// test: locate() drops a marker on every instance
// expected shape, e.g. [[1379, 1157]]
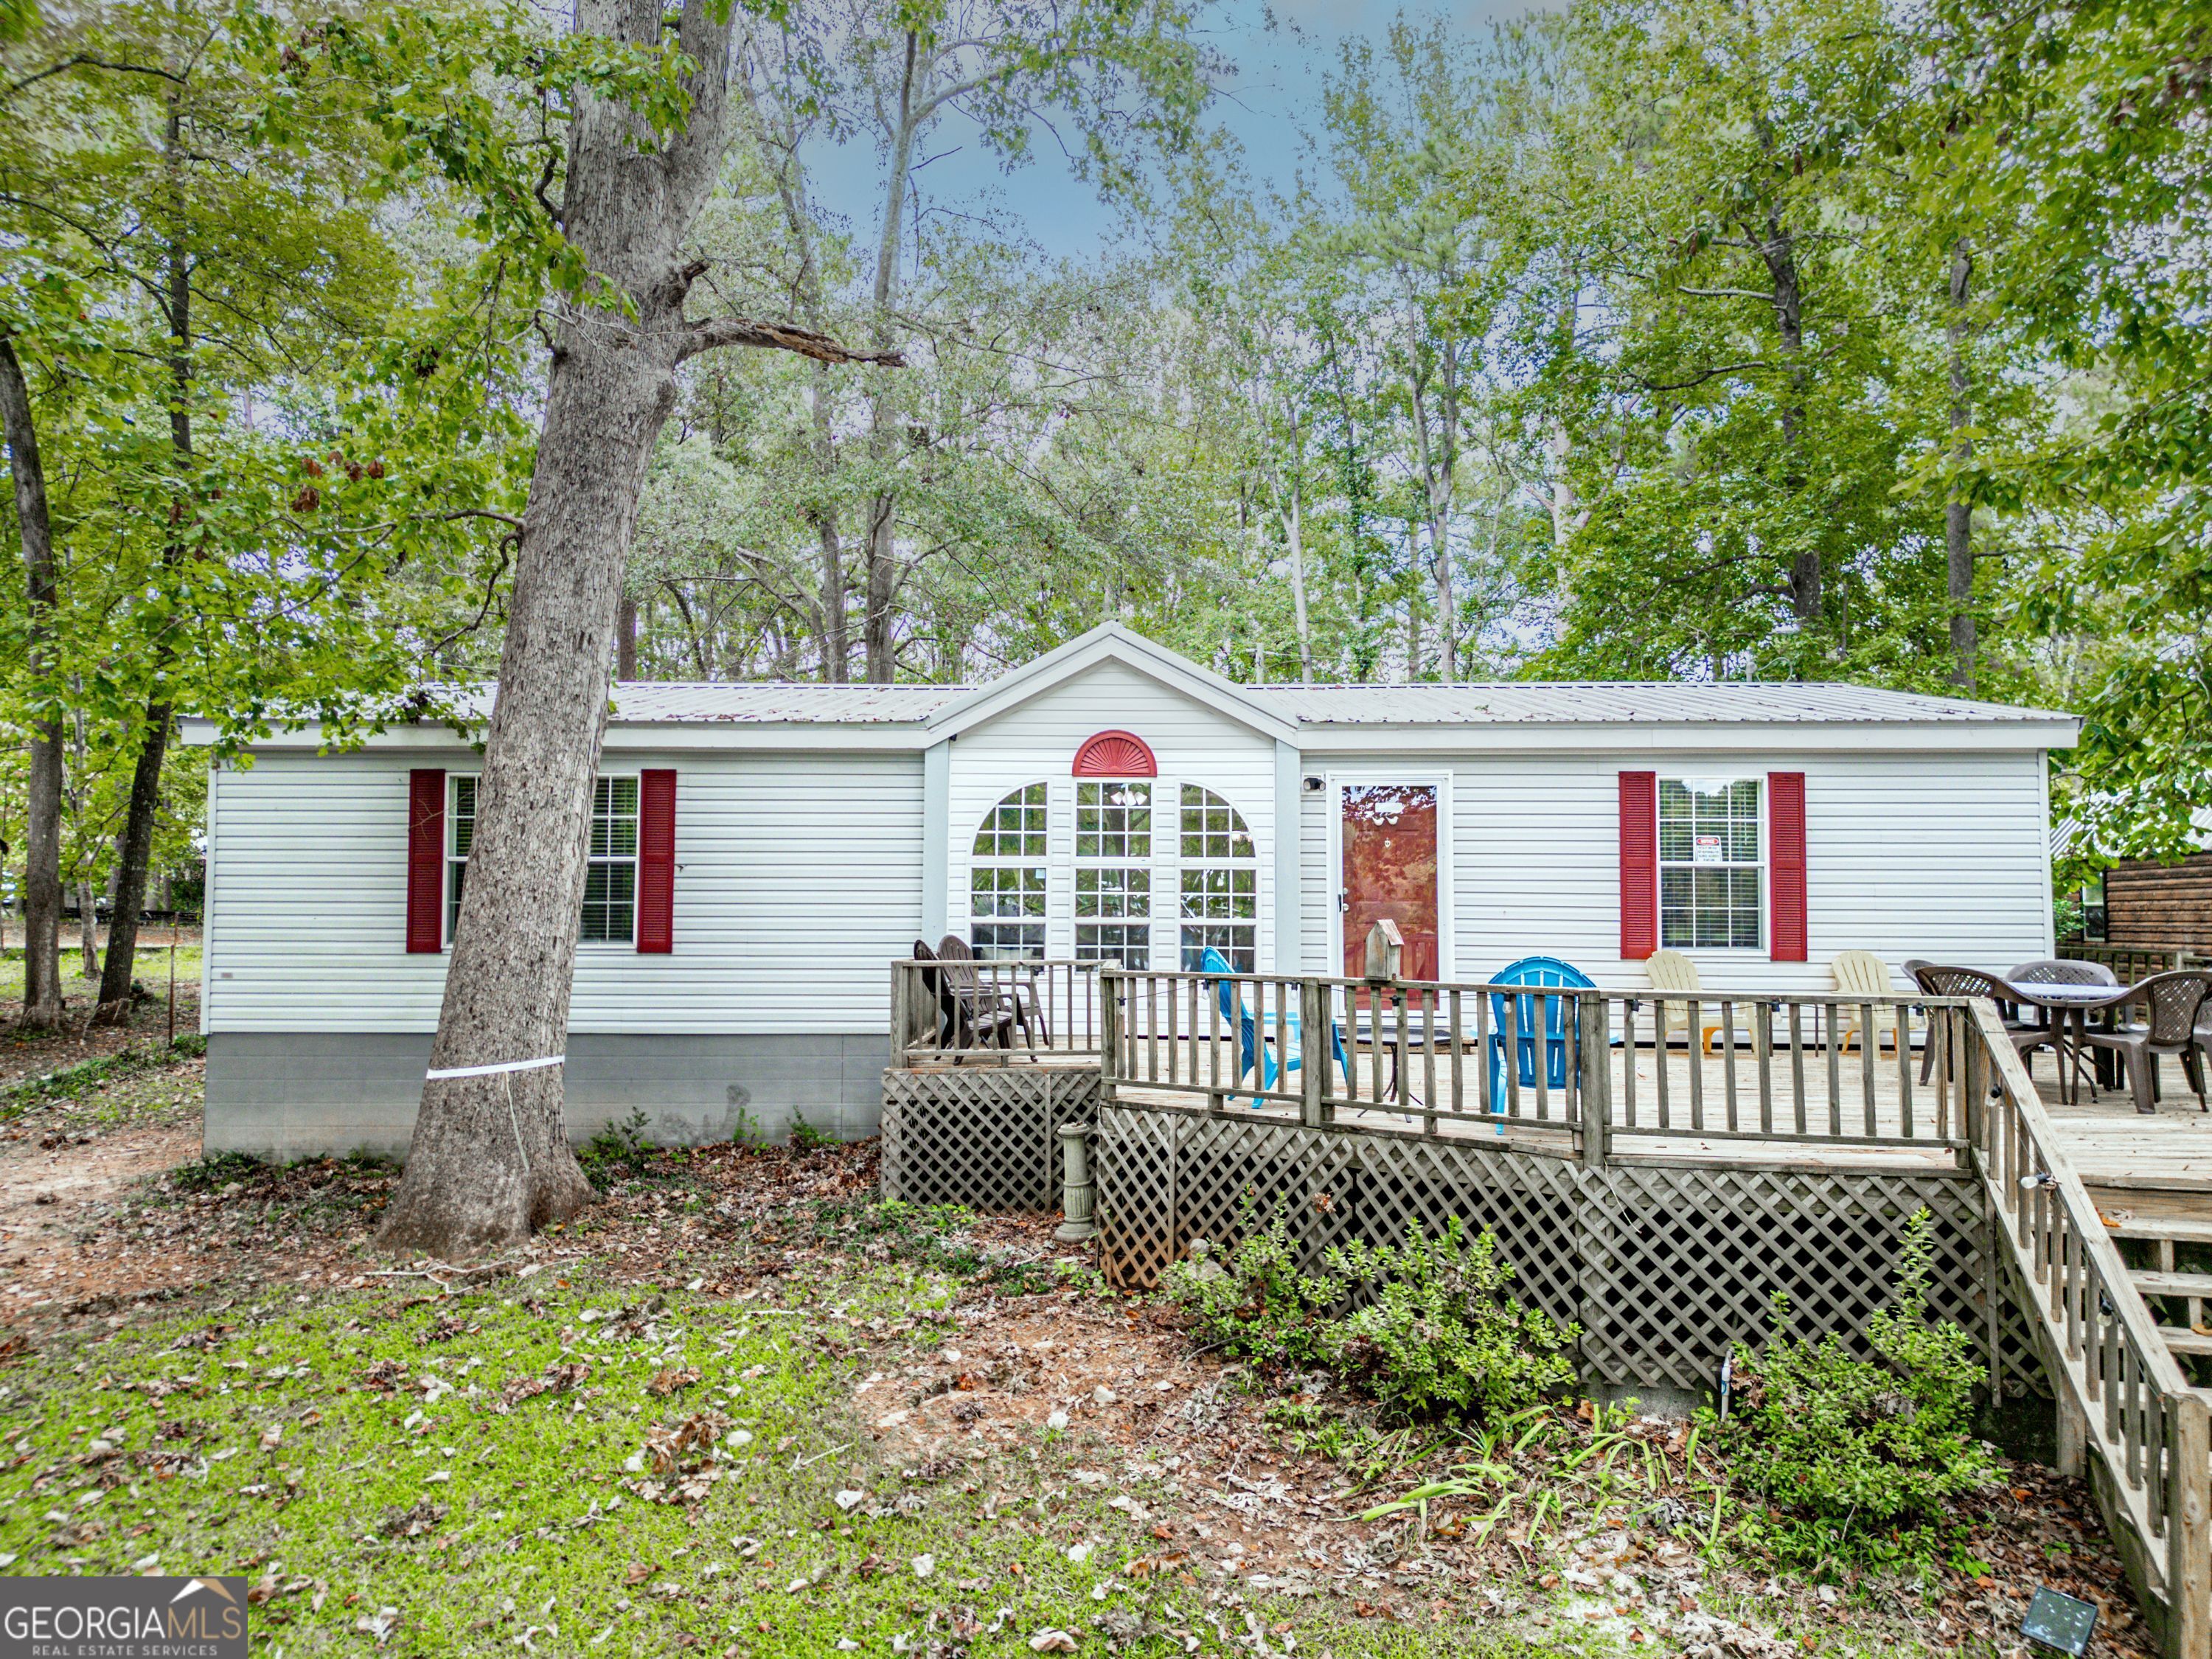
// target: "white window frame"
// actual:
[[633, 858], [1762, 866], [1201, 866], [1041, 863], [455, 864], [1132, 928]]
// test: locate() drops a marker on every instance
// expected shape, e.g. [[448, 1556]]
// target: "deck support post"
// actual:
[[1594, 1039], [2189, 1531], [1109, 1032], [1312, 1052], [2073, 1433], [898, 1015]]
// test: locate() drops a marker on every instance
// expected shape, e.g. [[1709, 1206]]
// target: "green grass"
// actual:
[[86, 1077], [149, 967], [381, 1451]]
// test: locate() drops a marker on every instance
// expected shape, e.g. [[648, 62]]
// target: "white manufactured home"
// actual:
[[761, 851]]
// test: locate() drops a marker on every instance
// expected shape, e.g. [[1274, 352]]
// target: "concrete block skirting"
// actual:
[[293, 1094]]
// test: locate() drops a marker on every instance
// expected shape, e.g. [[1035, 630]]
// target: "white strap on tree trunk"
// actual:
[[504, 1065]]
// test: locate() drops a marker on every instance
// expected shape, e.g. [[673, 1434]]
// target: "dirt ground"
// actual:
[[108, 1218]]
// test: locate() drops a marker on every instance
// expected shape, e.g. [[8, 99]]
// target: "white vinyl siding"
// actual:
[[1938, 856], [797, 878]]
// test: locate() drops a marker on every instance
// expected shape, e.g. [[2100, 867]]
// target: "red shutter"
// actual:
[[1785, 858], [426, 860], [1639, 865], [656, 863]]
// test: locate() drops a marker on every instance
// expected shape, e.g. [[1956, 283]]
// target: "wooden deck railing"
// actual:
[[993, 1011], [2133, 963], [2120, 1389], [1566, 1068]]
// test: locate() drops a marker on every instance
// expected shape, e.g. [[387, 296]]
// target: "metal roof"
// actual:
[[1502, 702], [778, 702], [1630, 701]]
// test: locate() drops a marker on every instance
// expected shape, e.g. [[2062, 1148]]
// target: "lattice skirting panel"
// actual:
[[1664, 1268], [987, 1137]]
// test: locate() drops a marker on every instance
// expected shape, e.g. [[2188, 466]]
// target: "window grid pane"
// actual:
[[1008, 881], [1237, 942], [1005, 940], [1126, 946], [1710, 865], [461, 833], [1113, 821]]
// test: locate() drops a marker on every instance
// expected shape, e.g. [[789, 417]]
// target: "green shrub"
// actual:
[[1440, 1334], [1862, 1446], [618, 1150], [1252, 1300]]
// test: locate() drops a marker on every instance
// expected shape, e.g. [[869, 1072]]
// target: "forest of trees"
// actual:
[[1642, 338]]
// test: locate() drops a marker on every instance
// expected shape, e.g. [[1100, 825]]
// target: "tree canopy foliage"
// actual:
[[1658, 338]]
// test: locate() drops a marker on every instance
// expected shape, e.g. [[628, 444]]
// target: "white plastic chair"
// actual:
[[1671, 970], [1862, 973]]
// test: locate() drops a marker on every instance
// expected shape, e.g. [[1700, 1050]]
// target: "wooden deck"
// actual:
[[2133, 1165]]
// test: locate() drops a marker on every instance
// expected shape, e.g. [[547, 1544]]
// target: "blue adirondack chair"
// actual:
[[1536, 1018], [1255, 1049]]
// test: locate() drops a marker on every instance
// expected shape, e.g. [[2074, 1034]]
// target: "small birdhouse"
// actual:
[[1386, 947]]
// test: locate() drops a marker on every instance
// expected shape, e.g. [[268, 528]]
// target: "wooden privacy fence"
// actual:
[[942, 1010], [2120, 1391], [1557, 1068]]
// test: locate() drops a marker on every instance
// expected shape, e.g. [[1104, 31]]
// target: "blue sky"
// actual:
[[1280, 52]]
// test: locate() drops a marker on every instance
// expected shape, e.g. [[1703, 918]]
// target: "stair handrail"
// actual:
[[2126, 1391]]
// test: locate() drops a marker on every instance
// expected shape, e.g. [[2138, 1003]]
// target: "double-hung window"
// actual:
[[1220, 884], [1112, 872], [1007, 877], [1711, 871], [610, 914], [610, 876]]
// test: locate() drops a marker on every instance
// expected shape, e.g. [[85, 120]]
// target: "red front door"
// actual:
[[1389, 836]]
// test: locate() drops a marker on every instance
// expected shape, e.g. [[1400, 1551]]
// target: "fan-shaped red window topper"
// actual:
[[1115, 755]]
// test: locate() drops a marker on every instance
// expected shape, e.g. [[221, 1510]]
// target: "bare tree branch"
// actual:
[[781, 337]]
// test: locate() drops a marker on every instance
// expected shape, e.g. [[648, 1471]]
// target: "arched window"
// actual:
[[1112, 872], [1007, 877], [1220, 883]]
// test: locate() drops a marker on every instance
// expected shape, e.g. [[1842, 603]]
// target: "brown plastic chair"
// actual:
[[988, 1012], [1939, 981], [2172, 1002]]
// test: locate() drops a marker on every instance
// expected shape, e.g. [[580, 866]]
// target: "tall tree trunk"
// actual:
[[836, 639], [1779, 247], [1958, 513], [1294, 532], [625, 638], [880, 585], [134, 852], [134, 845], [42, 836], [490, 1160], [88, 928]]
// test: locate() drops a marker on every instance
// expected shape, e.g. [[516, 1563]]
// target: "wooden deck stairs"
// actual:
[[2175, 1296], [2118, 1339]]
